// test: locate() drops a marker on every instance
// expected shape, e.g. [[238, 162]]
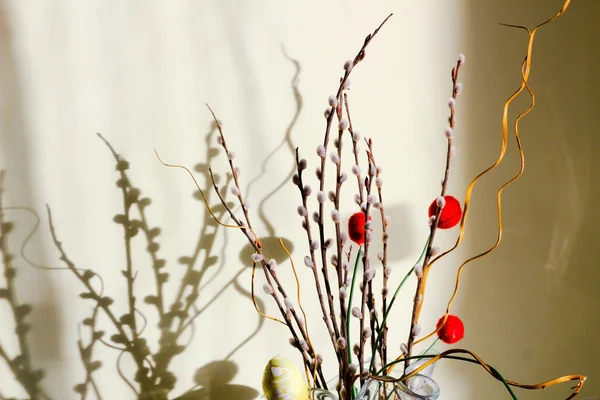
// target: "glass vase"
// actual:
[[419, 387]]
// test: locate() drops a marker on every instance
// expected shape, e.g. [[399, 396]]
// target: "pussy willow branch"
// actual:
[[367, 295], [366, 299], [384, 240], [272, 277], [343, 370], [307, 226], [343, 84], [360, 200], [373, 315], [253, 240], [234, 172], [355, 150], [419, 297], [324, 263], [258, 248]]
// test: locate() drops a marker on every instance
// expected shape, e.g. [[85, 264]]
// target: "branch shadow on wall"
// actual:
[[215, 377]]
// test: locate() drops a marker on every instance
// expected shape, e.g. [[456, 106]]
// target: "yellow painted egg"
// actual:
[[283, 381]]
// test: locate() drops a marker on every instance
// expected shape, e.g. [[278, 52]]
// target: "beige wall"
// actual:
[[141, 75], [538, 292]]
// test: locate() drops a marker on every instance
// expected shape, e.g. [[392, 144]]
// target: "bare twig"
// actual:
[[386, 271]]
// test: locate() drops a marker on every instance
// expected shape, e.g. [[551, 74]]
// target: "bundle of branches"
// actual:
[[342, 261]]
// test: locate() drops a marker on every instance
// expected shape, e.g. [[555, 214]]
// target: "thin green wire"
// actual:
[[349, 312], [430, 347]]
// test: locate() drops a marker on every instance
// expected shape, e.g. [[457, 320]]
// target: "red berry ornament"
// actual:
[[451, 213], [356, 227], [452, 331]]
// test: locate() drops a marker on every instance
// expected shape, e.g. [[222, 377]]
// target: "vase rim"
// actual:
[[429, 381]]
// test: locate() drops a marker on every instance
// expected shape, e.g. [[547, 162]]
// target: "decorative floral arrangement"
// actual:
[[344, 268]]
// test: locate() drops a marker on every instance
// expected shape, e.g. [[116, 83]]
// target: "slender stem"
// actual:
[[420, 292], [385, 276], [345, 362], [354, 150], [309, 236], [271, 277], [342, 86]]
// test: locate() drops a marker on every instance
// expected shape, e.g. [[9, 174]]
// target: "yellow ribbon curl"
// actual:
[[576, 389], [525, 72]]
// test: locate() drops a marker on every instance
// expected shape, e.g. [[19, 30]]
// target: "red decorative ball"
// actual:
[[452, 331], [356, 227], [451, 213]]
